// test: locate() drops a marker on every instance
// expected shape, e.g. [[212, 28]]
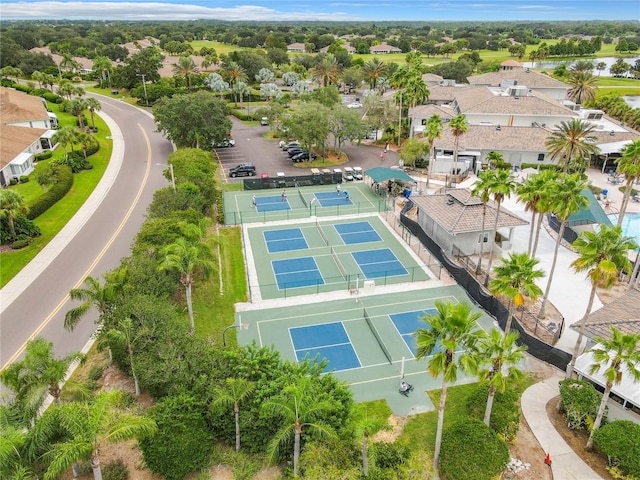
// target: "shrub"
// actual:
[[388, 455], [539, 166], [620, 441], [24, 179], [25, 229], [49, 96], [51, 196], [579, 401], [75, 161], [472, 451], [22, 88], [18, 244], [46, 155], [505, 413], [13, 181], [115, 471]]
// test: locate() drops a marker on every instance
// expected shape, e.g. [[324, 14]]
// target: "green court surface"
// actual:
[[301, 203], [315, 256], [367, 356]]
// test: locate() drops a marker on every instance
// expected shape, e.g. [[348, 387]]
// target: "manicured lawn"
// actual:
[[54, 219], [220, 47]]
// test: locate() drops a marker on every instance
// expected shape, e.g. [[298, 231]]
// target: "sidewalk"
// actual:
[[565, 463]]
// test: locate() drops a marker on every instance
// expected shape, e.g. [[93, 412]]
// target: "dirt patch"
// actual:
[[577, 439], [389, 436], [527, 449]]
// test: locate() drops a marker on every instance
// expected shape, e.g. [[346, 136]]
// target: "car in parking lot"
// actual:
[[354, 105], [264, 121], [287, 145], [293, 151], [227, 142], [357, 173], [347, 175], [303, 156], [243, 170]]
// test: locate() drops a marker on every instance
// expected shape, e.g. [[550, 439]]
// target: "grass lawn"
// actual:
[[54, 219], [124, 96]]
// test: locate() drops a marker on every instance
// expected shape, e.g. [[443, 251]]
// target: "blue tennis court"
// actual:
[[357, 232], [379, 263], [332, 199], [285, 240], [296, 272], [272, 203], [407, 323], [328, 340]]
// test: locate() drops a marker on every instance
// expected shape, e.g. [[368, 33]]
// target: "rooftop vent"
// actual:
[[612, 133], [450, 201], [498, 127]]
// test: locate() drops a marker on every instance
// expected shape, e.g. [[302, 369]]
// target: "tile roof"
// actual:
[[456, 211], [483, 100], [621, 313], [523, 76], [16, 106], [85, 63], [427, 111], [15, 140]]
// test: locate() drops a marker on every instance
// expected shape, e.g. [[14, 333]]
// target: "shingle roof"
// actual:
[[15, 140], [464, 213], [427, 111], [523, 76], [622, 313], [17, 106], [482, 100]]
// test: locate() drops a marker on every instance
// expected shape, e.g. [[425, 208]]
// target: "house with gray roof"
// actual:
[[453, 219], [515, 76], [383, 48]]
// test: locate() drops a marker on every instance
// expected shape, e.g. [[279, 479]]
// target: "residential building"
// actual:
[[384, 48], [297, 47]]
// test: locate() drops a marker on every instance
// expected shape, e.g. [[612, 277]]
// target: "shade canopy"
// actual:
[[382, 174]]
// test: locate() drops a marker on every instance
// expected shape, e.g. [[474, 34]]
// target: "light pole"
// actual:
[[173, 178], [144, 87]]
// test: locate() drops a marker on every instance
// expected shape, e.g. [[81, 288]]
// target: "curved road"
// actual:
[[35, 301]]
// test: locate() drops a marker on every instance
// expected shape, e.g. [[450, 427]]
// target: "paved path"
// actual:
[[565, 463]]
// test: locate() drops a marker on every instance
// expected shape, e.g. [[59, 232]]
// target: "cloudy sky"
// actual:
[[318, 10]]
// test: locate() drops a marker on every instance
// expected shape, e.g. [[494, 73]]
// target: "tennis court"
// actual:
[[272, 203], [367, 340], [317, 256]]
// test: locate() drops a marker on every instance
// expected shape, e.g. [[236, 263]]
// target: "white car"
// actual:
[[348, 174], [354, 105], [357, 173]]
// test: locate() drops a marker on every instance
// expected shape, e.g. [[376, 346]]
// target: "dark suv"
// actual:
[[244, 169]]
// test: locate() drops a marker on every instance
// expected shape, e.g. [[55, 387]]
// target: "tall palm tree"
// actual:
[[327, 70], [94, 106], [85, 140], [515, 279], [482, 190], [217, 83], [84, 427], [15, 459], [534, 194], [185, 67], [12, 204], [102, 65], [603, 255], [449, 341], [501, 187], [186, 258], [432, 132], [573, 139], [373, 70], [66, 88], [300, 411], [93, 295], [416, 91], [458, 126], [583, 86], [498, 352], [566, 199], [234, 72], [629, 165], [621, 352], [241, 89], [65, 136], [37, 375], [77, 106], [232, 394]]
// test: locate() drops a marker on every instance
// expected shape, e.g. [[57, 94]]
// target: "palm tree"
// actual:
[[621, 352], [432, 132], [534, 194], [67, 89], [482, 190], [37, 375], [216, 83], [494, 159], [234, 392], [12, 204], [572, 139], [603, 255], [566, 199], [299, 410], [364, 428], [458, 126], [185, 258], [15, 461], [185, 67], [68, 63], [77, 106], [234, 72], [65, 136], [501, 187], [241, 89], [629, 165], [102, 65], [38, 77], [327, 70], [84, 427], [450, 341], [93, 295], [498, 352], [416, 91], [372, 70], [600, 66], [94, 106], [85, 139], [515, 279], [583, 86]]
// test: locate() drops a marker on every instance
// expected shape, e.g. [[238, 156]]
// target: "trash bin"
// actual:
[[605, 192]]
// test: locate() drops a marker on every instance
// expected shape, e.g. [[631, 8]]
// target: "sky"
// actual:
[[319, 10]]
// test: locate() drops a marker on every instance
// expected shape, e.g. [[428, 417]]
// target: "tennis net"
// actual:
[[338, 263], [374, 330], [304, 200], [324, 237]]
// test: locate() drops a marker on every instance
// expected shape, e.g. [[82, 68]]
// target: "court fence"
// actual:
[[291, 181], [492, 305]]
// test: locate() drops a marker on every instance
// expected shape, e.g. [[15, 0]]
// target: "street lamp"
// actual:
[[144, 87], [173, 178], [241, 326]]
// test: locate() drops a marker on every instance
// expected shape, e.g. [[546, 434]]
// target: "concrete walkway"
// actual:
[[565, 463]]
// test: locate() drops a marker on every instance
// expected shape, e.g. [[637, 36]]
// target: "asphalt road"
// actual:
[[95, 248]]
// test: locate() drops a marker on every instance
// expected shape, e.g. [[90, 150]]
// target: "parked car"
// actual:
[[287, 145], [227, 142], [357, 173], [295, 151], [347, 174], [354, 105], [303, 156], [243, 170], [264, 121]]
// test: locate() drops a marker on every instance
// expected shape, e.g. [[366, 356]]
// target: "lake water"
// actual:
[[604, 73]]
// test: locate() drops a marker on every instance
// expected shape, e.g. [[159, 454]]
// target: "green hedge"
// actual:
[[46, 155], [620, 441], [51, 196], [472, 451], [579, 401], [540, 166], [505, 413]]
